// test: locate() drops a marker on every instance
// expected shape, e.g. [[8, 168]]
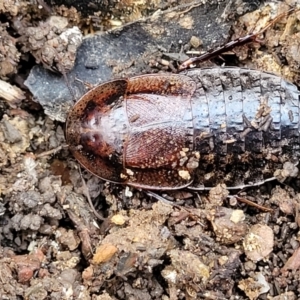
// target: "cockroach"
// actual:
[[196, 128]]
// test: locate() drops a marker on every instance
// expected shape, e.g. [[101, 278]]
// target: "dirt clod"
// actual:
[[229, 225]]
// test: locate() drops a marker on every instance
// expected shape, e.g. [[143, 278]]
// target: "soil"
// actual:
[[132, 244]]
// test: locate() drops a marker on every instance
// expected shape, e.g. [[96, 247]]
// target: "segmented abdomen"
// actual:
[[246, 123]]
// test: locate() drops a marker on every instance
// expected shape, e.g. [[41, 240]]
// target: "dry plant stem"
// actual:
[[249, 38], [52, 151], [10, 93], [251, 203], [190, 8]]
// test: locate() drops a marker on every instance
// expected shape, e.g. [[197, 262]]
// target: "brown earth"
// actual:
[[207, 245]]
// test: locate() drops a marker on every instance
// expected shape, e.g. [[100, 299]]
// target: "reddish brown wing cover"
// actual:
[[160, 137], [137, 131]]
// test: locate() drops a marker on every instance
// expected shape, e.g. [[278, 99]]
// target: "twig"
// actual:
[[251, 203], [52, 151]]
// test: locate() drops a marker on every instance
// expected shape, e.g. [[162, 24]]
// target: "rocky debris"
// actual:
[[52, 43], [254, 287], [283, 38], [229, 225], [9, 54], [204, 245], [259, 242]]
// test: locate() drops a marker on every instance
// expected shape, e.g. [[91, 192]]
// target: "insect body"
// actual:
[[205, 126]]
